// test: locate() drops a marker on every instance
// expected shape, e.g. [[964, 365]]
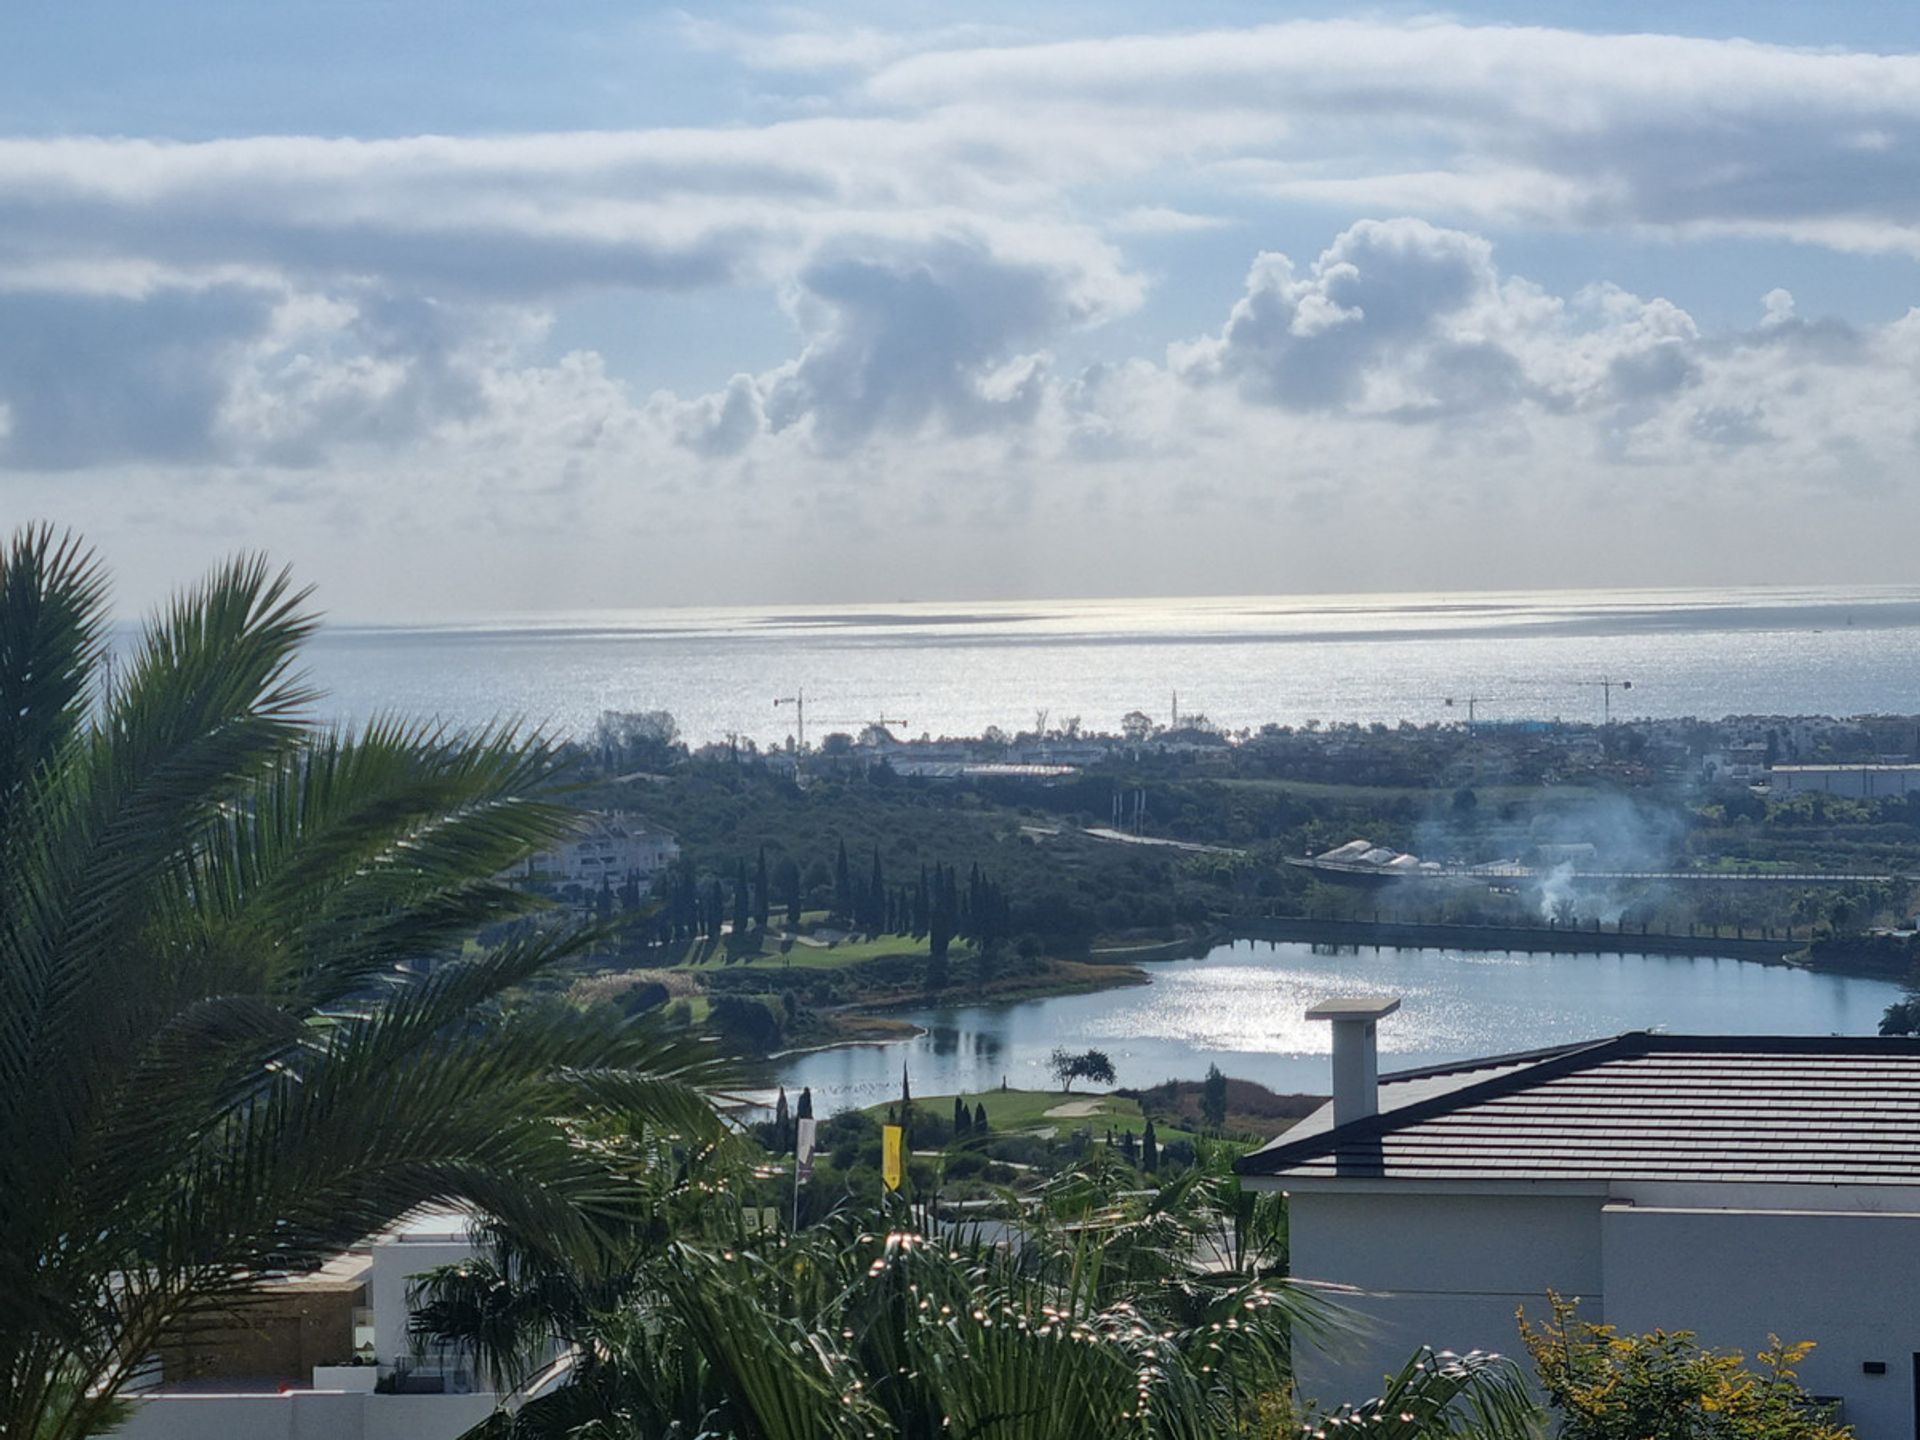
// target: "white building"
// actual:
[[1856, 782], [249, 1394], [608, 847], [1734, 1186]]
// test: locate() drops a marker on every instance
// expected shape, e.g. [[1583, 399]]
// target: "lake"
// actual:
[[1240, 1007]]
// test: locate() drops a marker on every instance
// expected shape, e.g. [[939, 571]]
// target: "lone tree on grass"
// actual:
[[1093, 1066]]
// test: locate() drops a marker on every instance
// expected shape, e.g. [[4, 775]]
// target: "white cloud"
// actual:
[[1161, 220], [324, 337], [1664, 132]]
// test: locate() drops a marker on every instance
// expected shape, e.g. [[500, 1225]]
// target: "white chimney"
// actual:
[[1356, 1052]]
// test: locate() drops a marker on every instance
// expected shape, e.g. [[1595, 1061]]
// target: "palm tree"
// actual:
[[1114, 1316], [241, 1026]]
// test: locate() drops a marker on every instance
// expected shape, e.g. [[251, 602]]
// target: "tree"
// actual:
[[804, 1110], [240, 1025], [980, 1125], [1150, 1149], [750, 1024], [782, 1125], [941, 918], [1609, 1386], [1093, 1066], [842, 887], [742, 902], [647, 739], [962, 1117], [762, 896], [1213, 1098], [789, 873], [1137, 726]]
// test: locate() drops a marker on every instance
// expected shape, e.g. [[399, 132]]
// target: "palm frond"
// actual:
[[53, 625]]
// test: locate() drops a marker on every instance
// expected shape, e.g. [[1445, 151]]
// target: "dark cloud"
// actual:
[[92, 380], [1653, 373], [1731, 426], [933, 331], [723, 424], [1379, 298]]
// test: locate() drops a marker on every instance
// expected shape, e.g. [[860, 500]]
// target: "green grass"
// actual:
[[1013, 1111], [768, 955]]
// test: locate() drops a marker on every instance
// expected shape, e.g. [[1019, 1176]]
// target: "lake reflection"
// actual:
[[1241, 1006]]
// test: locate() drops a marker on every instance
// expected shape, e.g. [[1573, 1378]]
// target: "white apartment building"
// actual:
[[608, 847]]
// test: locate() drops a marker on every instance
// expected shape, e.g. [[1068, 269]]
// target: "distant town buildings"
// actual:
[[1855, 782]]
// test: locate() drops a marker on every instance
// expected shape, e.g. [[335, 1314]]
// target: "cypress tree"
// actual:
[[742, 907], [876, 895], [790, 882], [1213, 1098], [842, 886], [940, 916], [962, 1120], [762, 896], [782, 1125], [1150, 1150], [980, 1126], [804, 1110]]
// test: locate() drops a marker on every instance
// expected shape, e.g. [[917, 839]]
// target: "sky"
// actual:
[[486, 308]]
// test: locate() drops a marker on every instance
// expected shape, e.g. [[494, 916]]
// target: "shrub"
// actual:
[[1608, 1386], [966, 1165]]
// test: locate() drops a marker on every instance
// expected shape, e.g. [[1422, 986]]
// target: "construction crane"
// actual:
[[799, 702], [1606, 685]]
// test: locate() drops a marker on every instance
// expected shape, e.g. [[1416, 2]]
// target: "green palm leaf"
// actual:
[[241, 1024]]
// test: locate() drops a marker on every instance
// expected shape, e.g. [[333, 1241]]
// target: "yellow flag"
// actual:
[[893, 1155]]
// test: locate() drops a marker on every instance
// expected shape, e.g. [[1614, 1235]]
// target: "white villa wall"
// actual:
[[395, 1262], [305, 1415], [336, 1414], [1844, 1280], [1446, 1270]]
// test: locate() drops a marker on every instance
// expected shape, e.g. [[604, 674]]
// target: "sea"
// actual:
[[956, 669]]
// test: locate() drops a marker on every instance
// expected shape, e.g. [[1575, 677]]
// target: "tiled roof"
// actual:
[[1796, 1110]]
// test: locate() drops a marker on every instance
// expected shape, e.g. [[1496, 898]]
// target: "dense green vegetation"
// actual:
[[1148, 1313], [242, 1025]]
